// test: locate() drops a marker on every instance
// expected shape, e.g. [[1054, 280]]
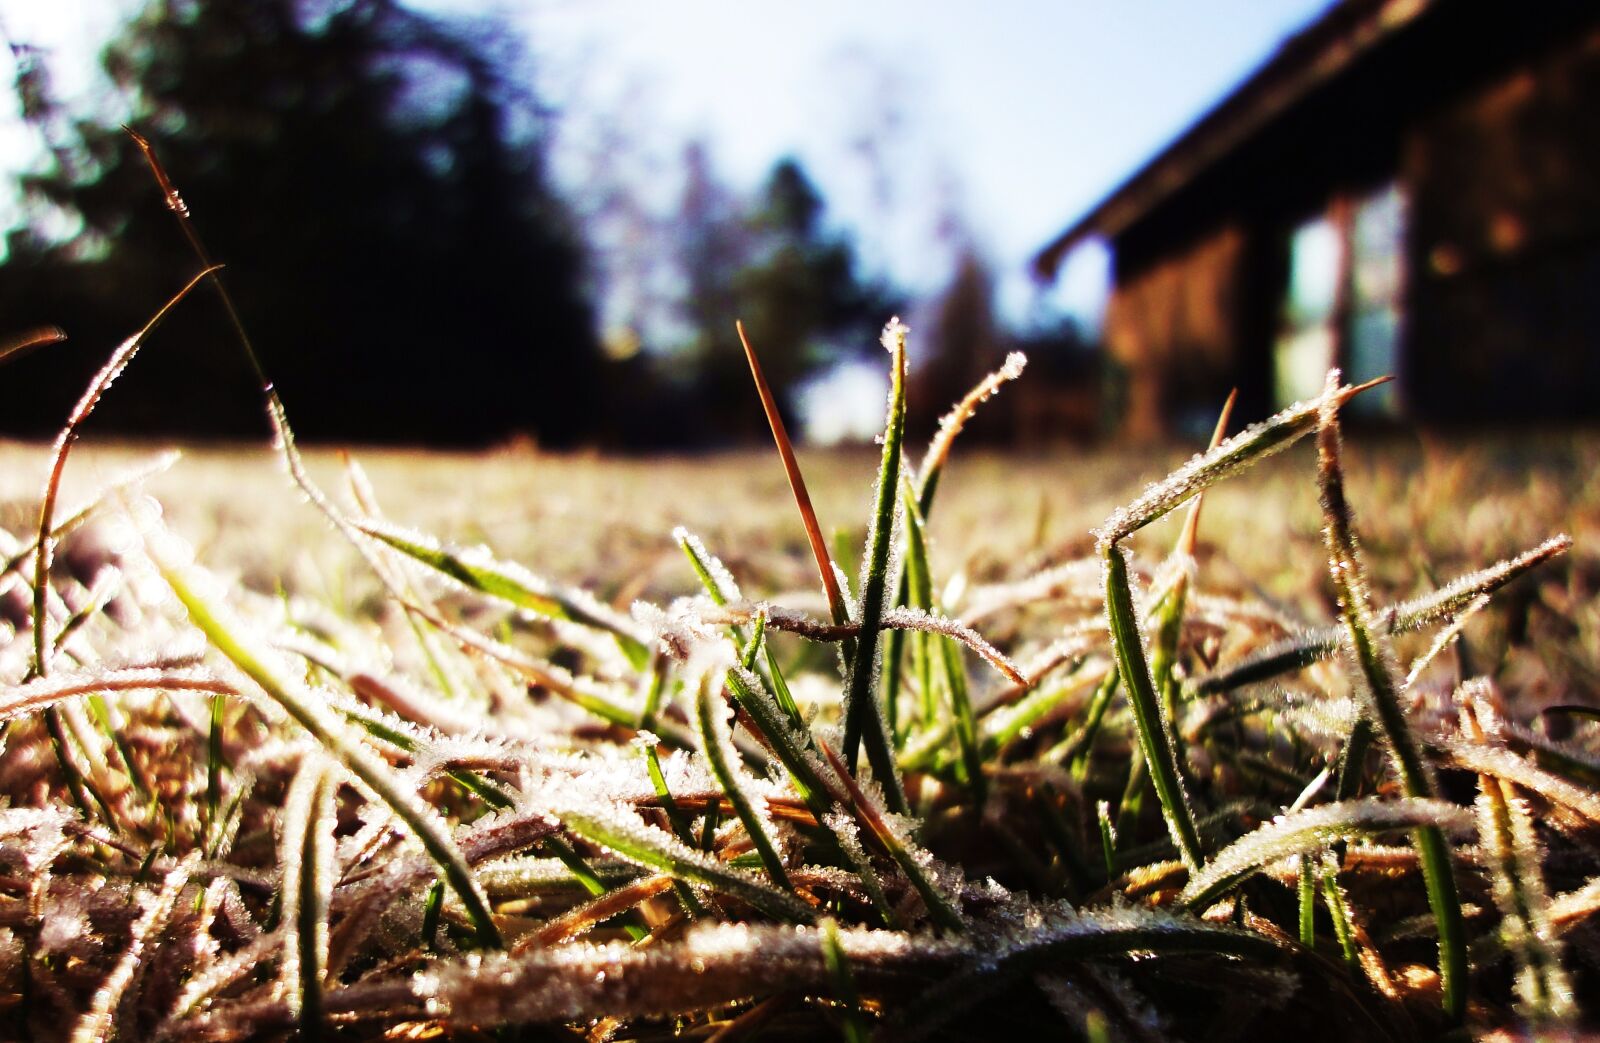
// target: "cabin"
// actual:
[[1406, 187]]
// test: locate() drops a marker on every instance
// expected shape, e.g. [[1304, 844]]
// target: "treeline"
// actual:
[[376, 181]]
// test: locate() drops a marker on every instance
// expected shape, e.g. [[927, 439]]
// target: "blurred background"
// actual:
[[463, 223]]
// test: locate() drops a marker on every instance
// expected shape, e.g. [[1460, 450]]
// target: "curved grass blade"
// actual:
[[1305, 833], [1249, 446], [1067, 935], [235, 641], [512, 584], [44, 541], [950, 425], [1302, 650], [1375, 661], [644, 845], [18, 345]]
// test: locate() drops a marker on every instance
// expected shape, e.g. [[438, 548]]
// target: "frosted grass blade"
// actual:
[[863, 708], [652, 848], [1305, 833], [478, 571], [1249, 446], [1374, 658], [235, 641], [716, 743], [1155, 738]]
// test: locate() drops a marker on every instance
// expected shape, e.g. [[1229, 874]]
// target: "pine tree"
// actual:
[[374, 180]]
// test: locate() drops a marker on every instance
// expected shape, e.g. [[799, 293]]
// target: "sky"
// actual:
[[928, 124]]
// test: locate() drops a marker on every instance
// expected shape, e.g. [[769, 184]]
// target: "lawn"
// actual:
[[366, 777]]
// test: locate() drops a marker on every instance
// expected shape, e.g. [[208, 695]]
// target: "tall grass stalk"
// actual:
[[1375, 662]]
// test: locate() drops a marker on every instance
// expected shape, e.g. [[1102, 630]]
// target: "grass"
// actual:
[[277, 763]]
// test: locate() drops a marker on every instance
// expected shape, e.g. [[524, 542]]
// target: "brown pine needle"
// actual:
[[22, 343], [1191, 524], [797, 483]]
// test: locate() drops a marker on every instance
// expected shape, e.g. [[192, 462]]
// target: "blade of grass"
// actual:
[[844, 985], [716, 743], [1169, 614], [1155, 739], [307, 859], [1303, 650], [1375, 661], [235, 641], [940, 909], [1305, 833], [512, 584], [1506, 836], [927, 479], [863, 710], [952, 673], [18, 345], [44, 542], [1248, 447], [644, 845], [680, 827]]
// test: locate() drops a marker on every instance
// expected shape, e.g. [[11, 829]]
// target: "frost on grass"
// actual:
[[1306, 832], [506, 754], [1249, 446]]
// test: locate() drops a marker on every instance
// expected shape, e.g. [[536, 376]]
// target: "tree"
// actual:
[[775, 265], [374, 180], [964, 344]]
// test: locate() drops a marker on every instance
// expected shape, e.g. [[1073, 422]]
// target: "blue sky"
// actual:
[[926, 124]]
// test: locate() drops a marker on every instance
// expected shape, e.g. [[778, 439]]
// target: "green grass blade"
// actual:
[[478, 571], [680, 826], [1075, 747], [633, 840], [234, 640], [590, 881], [863, 710], [1305, 833], [1154, 737], [716, 743], [1375, 661], [844, 985], [1307, 893], [792, 744], [1338, 906]]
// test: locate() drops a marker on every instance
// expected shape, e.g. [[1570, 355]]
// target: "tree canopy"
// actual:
[[795, 283], [374, 180]]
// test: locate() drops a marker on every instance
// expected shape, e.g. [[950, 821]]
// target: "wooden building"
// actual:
[[1407, 187]]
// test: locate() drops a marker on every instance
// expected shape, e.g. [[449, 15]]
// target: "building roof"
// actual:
[[1306, 61]]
